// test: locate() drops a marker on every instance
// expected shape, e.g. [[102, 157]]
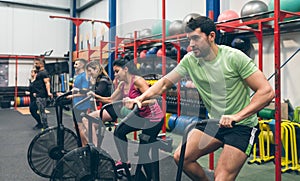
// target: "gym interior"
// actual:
[[152, 34]]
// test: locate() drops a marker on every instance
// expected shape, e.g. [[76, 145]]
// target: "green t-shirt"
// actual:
[[220, 82]]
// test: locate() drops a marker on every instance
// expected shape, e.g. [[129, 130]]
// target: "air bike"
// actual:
[[92, 162], [50, 145]]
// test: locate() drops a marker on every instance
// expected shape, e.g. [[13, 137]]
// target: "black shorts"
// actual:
[[241, 137], [112, 111]]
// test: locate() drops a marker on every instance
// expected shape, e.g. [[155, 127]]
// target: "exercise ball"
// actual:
[[168, 52], [128, 38], [156, 28], [149, 69], [158, 68], [228, 15], [142, 68], [183, 51], [172, 121], [188, 17], [159, 53], [143, 54], [252, 8], [170, 67], [244, 44], [287, 5], [152, 51], [174, 51], [176, 27], [182, 122], [145, 33]]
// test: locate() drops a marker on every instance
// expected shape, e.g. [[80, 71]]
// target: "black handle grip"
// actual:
[[216, 121], [119, 102], [62, 97]]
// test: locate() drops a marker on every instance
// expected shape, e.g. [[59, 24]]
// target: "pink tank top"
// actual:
[[153, 112]]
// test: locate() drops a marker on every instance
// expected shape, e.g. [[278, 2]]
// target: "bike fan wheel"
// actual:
[[44, 152], [76, 166]]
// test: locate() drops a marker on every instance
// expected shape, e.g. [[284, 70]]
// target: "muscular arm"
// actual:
[[262, 97], [160, 86], [47, 84]]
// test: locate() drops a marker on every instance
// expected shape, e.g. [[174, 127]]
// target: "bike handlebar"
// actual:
[[120, 102], [63, 101], [62, 97], [109, 104]]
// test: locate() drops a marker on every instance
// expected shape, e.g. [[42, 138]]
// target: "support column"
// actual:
[[112, 34], [213, 9], [277, 90], [72, 45]]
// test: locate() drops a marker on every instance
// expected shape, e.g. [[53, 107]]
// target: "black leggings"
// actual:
[[33, 110], [149, 128]]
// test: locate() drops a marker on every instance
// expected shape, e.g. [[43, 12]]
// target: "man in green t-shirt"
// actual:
[[223, 77]]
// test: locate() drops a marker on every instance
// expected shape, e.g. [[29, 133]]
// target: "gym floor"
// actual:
[[16, 134]]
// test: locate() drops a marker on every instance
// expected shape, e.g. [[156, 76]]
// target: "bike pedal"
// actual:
[[121, 173], [122, 169]]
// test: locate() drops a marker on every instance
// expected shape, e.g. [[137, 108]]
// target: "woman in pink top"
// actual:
[[149, 118]]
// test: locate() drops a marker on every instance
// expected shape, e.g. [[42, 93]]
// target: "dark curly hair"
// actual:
[[126, 62], [204, 23]]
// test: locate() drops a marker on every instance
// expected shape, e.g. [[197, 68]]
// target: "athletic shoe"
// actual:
[[120, 165], [37, 127], [44, 128]]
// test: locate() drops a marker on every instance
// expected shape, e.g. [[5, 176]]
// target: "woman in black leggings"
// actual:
[[149, 117]]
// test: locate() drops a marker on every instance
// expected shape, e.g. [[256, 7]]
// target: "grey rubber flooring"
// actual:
[[16, 134]]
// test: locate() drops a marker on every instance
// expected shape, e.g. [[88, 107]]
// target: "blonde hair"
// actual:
[[34, 70], [96, 65]]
